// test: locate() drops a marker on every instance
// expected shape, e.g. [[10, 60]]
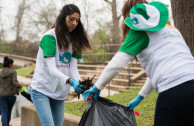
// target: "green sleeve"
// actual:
[[77, 56], [135, 42], [48, 46]]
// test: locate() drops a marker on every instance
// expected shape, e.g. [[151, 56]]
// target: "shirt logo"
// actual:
[[65, 58]]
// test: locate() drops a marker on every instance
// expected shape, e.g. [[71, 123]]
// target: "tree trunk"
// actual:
[[22, 7], [183, 15], [1, 24], [115, 27], [115, 33]]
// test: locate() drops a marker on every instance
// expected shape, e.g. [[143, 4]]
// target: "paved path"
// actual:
[[14, 122], [23, 80]]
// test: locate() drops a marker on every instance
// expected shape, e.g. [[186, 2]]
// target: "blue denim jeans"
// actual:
[[6, 105], [50, 111]]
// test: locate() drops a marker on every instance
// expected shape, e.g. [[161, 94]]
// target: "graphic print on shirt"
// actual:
[[169, 34], [65, 58]]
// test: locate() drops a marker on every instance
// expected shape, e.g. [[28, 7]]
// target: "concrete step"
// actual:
[[126, 69], [122, 82], [135, 70], [141, 81], [98, 73], [120, 88], [115, 81], [98, 68], [135, 64], [137, 84], [145, 77]]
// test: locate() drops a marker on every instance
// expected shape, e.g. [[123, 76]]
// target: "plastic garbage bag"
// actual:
[[27, 96], [105, 112]]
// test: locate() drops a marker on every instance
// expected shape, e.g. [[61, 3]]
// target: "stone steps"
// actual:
[[98, 73], [141, 81], [121, 81], [101, 68], [114, 81], [121, 88], [134, 71]]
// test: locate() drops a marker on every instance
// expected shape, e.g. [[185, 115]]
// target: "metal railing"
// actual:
[[101, 53]]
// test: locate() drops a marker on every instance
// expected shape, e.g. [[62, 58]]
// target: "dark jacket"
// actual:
[[9, 85]]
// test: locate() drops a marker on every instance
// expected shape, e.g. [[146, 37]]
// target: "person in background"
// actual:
[[56, 65], [9, 88], [165, 57]]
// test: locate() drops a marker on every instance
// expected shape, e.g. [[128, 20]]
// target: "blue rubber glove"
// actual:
[[135, 102], [26, 91], [78, 88], [92, 91]]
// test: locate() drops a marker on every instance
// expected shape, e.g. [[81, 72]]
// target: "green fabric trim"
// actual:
[[164, 15], [140, 9], [48, 46], [77, 56], [135, 42]]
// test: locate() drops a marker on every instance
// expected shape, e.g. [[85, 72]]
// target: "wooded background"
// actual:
[[102, 21]]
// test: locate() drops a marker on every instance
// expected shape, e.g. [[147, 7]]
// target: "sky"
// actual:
[[9, 7]]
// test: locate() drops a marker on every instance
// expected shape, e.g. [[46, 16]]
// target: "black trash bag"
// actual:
[[105, 112], [27, 96]]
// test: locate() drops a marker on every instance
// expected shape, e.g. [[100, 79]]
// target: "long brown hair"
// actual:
[[125, 13], [78, 36]]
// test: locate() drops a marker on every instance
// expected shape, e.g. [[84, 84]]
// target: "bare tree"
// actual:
[[183, 15], [45, 15], [115, 24], [1, 23], [86, 9], [89, 13], [22, 8]]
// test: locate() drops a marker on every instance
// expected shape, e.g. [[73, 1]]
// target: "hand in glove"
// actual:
[[78, 88], [92, 91], [133, 103], [25, 93]]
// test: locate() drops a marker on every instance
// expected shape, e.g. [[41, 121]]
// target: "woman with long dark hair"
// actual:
[[9, 88], [165, 57], [56, 65]]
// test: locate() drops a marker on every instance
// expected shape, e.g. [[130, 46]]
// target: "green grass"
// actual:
[[25, 71], [146, 108]]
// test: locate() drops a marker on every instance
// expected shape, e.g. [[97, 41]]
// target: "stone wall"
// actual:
[[29, 117]]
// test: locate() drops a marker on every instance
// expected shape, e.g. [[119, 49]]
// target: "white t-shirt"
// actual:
[[66, 62], [164, 55], [167, 60]]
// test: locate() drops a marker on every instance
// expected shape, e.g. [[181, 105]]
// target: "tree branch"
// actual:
[[119, 17], [110, 3]]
